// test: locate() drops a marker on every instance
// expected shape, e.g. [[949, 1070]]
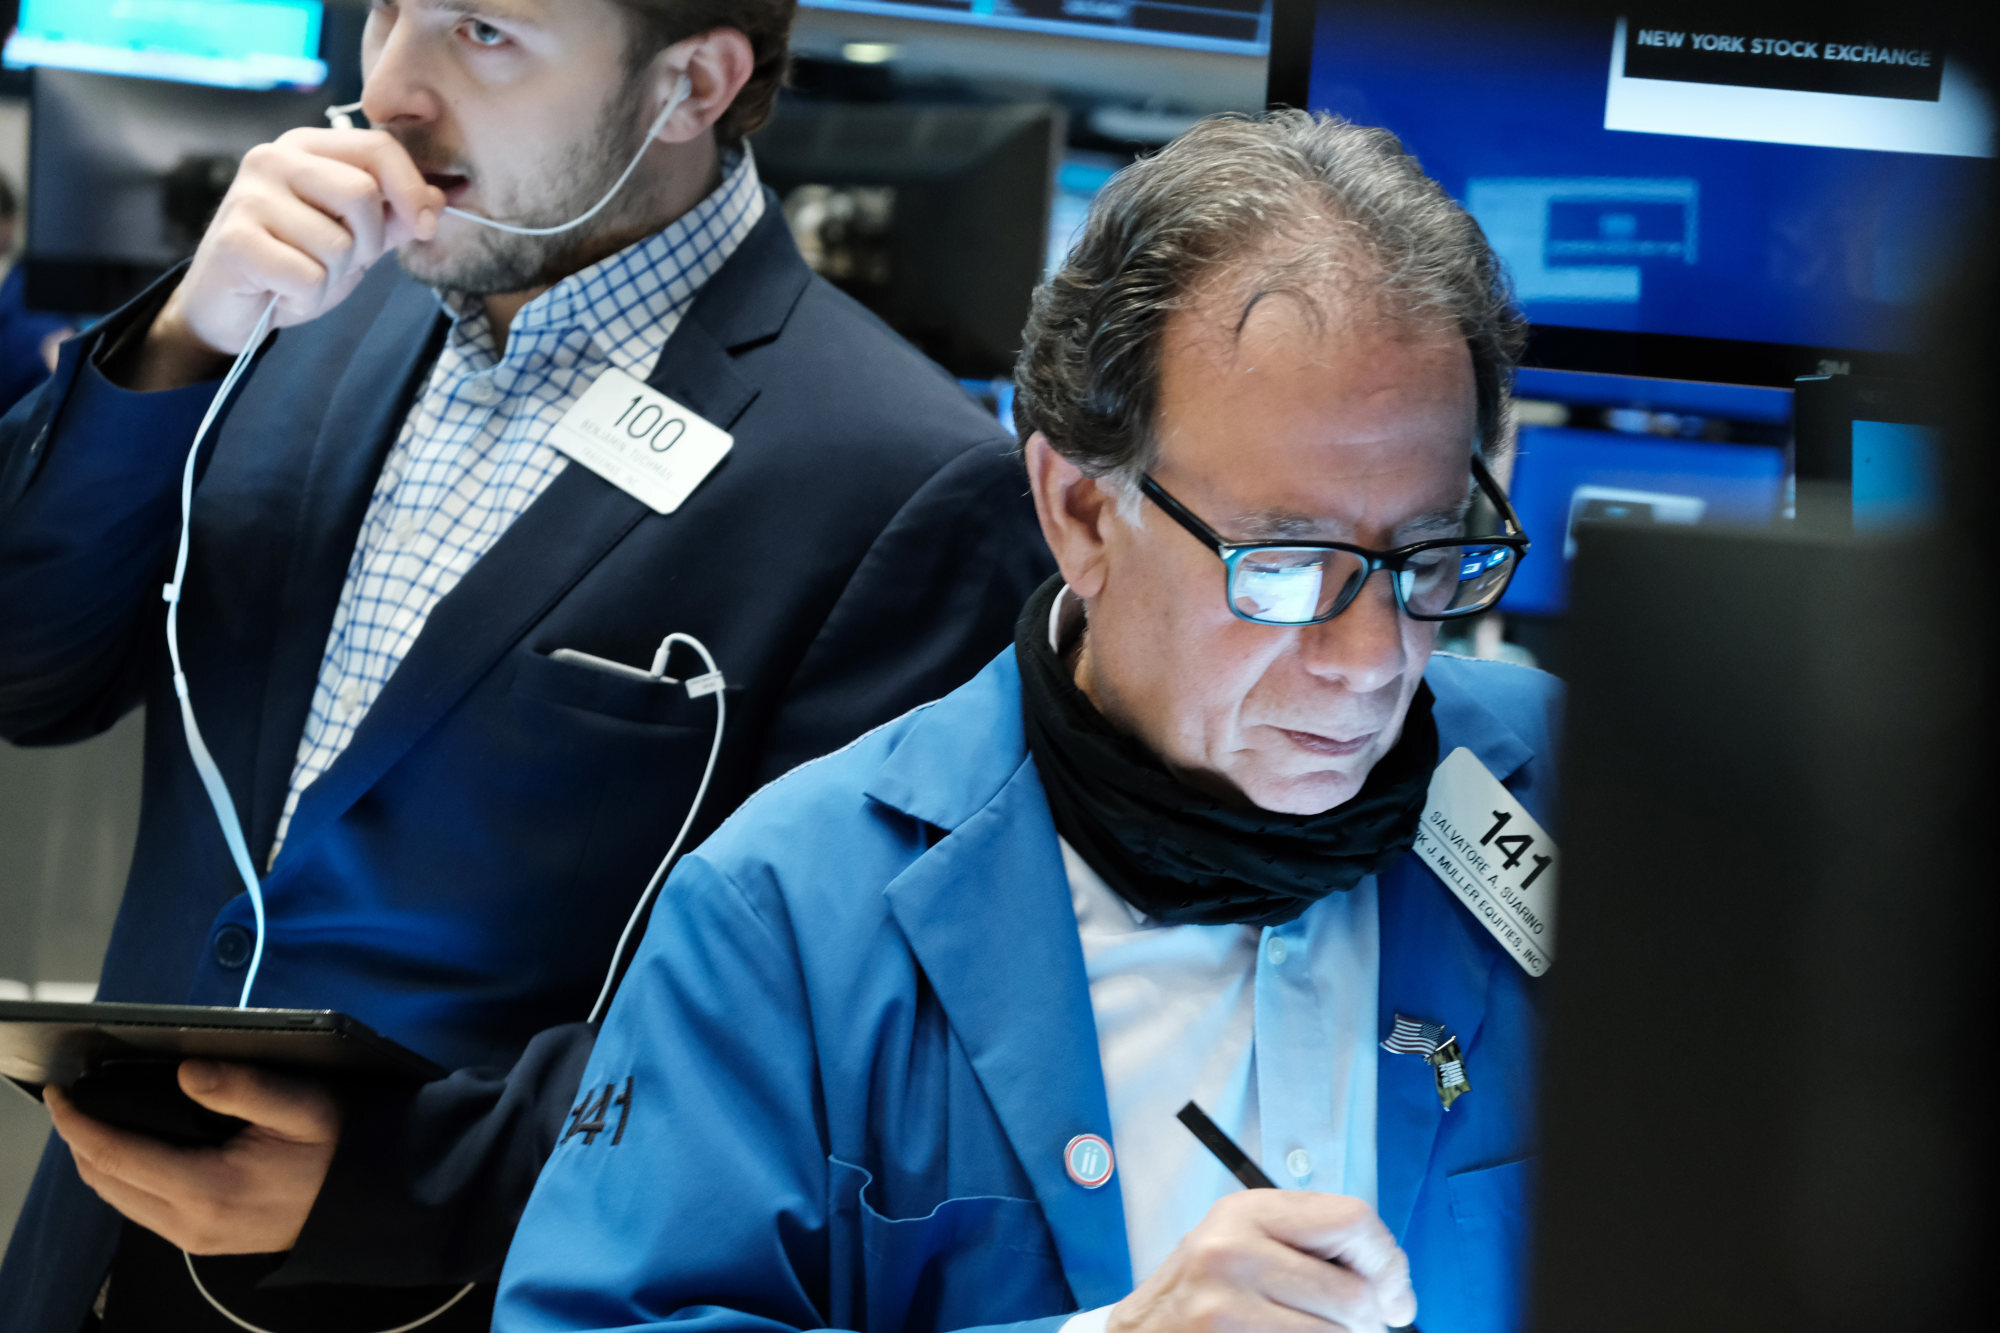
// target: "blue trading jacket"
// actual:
[[836, 1088], [457, 879]]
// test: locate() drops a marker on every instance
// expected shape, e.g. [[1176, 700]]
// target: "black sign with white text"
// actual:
[[1881, 62]]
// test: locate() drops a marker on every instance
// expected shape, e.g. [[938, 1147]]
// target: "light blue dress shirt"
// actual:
[[1270, 1031]]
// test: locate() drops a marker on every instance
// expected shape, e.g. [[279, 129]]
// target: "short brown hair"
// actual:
[[658, 24]]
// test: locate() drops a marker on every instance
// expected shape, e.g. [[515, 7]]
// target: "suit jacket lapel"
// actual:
[[572, 526], [1022, 1011], [1436, 965], [747, 302], [1433, 968], [988, 916], [363, 418]]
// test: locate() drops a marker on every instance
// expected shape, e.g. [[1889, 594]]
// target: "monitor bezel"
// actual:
[[917, 11], [1605, 351]]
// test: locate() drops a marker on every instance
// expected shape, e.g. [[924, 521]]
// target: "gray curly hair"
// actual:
[[1295, 203]]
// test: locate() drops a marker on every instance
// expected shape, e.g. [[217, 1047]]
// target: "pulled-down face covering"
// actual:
[[1183, 855]]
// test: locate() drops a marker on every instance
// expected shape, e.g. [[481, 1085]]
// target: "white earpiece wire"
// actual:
[[711, 683], [211, 777], [245, 1324], [204, 763], [217, 788], [342, 118]]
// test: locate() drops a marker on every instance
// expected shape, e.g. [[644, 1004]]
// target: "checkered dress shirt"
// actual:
[[474, 451]]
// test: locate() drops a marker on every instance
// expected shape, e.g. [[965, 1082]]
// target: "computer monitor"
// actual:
[[1608, 448], [1672, 196], [124, 172], [1869, 452], [1777, 761], [226, 43], [1078, 180], [1239, 26], [936, 217]]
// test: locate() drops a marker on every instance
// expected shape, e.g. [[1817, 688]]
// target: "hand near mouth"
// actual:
[[306, 218]]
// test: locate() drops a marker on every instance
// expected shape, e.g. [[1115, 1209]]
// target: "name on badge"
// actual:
[[1489, 851], [641, 441]]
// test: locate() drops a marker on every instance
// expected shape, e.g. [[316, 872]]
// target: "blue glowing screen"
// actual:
[[1565, 476], [228, 43], [1815, 206], [1896, 481]]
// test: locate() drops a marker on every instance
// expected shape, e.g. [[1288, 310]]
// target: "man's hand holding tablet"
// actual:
[[249, 1195]]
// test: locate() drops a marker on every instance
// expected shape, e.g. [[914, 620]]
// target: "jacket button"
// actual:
[[232, 947]]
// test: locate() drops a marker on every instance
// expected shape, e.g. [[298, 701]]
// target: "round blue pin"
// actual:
[[1088, 1160]]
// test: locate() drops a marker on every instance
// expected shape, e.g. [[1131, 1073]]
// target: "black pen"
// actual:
[[1238, 1162]]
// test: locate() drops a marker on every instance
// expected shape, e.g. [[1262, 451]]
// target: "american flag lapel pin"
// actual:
[[1439, 1049]]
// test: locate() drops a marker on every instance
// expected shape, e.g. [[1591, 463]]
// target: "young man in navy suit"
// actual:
[[421, 638]]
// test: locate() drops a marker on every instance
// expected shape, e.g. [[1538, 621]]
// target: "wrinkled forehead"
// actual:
[[1331, 294], [1315, 405]]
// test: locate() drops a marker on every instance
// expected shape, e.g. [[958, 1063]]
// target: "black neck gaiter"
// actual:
[[1181, 855]]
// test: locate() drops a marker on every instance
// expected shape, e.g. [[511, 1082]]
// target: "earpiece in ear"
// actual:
[[683, 89]]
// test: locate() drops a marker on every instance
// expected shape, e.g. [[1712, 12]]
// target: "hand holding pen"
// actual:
[[1271, 1259]]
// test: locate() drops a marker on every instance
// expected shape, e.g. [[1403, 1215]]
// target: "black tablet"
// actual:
[[120, 1061]]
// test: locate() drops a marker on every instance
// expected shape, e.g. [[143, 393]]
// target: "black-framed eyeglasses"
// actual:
[[1306, 583]]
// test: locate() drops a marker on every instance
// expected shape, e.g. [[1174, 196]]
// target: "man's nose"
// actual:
[[394, 91], [1362, 647]]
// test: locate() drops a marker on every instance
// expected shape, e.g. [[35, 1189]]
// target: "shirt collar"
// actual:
[[628, 304]]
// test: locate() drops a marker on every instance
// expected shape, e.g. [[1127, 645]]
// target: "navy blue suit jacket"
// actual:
[[457, 879]]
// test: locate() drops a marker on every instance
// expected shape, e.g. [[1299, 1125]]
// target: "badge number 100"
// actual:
[[1515, 845], [649, 424]]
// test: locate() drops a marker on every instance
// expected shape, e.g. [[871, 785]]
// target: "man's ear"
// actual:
[[717, 64], [1076, 512]]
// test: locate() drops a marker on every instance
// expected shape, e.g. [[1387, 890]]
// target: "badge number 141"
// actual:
[[1490, 852]]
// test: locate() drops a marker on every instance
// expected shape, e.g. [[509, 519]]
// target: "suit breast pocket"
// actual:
[[606, 693], [971, 1260], [1490, 1215]]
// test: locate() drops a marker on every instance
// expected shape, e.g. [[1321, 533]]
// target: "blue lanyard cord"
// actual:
[[204, 763]]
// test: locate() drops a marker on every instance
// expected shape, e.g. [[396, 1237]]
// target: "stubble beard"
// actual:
[[484, 262]]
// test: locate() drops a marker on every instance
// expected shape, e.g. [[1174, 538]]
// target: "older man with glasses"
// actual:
[[900, 1023]]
